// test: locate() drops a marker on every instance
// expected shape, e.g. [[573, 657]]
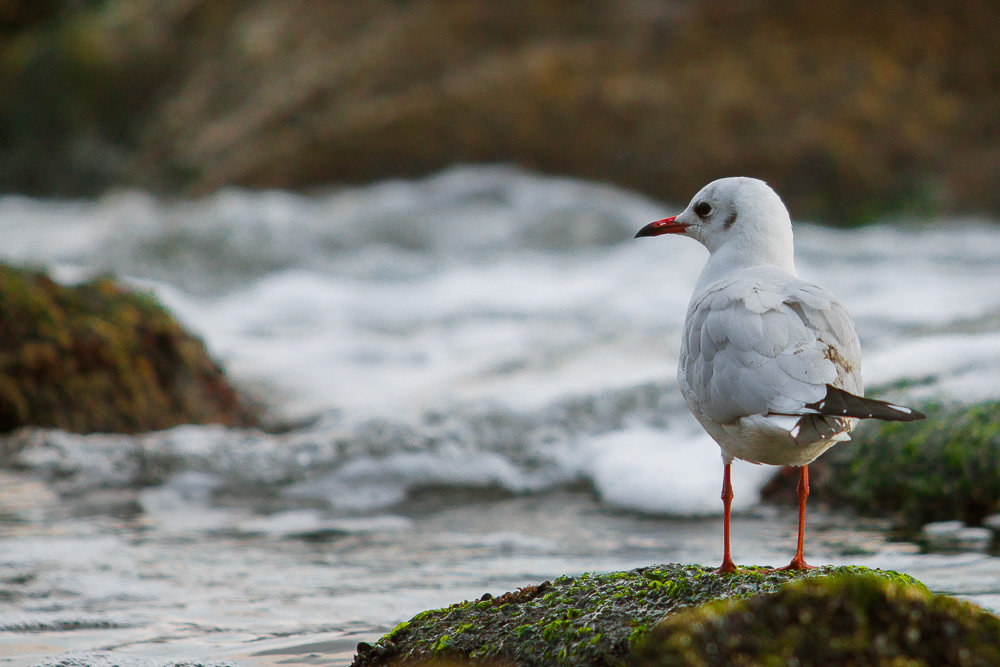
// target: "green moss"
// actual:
[[592, 619], [946, 467], [399, 628], [443, 644], [837, 620], [96, 357]]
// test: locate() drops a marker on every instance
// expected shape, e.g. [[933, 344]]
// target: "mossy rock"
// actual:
[[945, 467], [839, 620], [591, 619], [98, 358]]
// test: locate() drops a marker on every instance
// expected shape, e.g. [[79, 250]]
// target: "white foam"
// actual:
[[953, 360], [672, 471], [370, 482], [489, 298]]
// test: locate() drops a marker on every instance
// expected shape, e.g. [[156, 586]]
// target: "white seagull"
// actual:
[[770, 364]]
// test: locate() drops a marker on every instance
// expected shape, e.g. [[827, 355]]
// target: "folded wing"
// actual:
[[763, 342]]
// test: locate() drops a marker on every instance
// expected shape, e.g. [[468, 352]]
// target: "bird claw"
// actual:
[[727, 567], [798, 564]]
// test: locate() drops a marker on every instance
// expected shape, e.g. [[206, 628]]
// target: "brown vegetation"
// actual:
[[850, 109], [98, 358]]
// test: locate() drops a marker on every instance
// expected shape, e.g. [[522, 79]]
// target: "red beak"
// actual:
[[665, 226]]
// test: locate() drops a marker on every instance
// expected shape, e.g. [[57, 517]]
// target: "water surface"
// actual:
[[471, 383]]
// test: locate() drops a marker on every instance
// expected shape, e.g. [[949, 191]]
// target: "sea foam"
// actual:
[[485, 327]]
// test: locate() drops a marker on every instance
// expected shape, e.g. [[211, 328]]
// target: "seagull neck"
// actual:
[[731, 257]]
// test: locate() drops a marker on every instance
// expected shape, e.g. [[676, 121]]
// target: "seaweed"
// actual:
[[592, 619], [96, 357], [852, 619]]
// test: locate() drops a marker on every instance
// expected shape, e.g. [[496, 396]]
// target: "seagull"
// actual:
[[770, 364]]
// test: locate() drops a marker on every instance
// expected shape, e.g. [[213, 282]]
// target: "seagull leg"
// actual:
[[799, 560], [727, 502]]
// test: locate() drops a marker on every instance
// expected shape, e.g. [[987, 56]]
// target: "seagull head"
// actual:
[[739, 216]]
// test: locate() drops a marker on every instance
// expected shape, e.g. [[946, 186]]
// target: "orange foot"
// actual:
[[727, 567], [798, 564]]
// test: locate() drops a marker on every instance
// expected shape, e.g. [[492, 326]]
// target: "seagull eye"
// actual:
[[702, 209]]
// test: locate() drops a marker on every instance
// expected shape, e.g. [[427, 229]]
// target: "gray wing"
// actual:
[[765, 343]]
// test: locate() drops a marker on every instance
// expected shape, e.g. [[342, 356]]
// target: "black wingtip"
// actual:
[[840, 403]]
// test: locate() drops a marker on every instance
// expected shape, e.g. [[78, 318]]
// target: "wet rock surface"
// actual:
[[594, 619], [839, 620]]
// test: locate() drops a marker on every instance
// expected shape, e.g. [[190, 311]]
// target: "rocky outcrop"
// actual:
[[845, 620], [98, 358], [603, 619]]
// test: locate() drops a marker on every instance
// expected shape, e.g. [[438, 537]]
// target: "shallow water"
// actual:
[[474, 378], [103, 581]]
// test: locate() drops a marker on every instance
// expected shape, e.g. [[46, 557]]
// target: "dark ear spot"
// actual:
[[730, 219]]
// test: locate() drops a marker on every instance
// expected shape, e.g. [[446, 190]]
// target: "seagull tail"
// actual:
[[840, 403]]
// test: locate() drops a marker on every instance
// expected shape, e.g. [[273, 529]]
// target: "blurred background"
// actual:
[[851, 111], [318, 314]]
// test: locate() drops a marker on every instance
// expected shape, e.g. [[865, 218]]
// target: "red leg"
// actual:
[[799, 561], [727, 503]]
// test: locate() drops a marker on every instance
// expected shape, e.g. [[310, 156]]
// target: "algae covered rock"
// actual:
[[838, 620], [946, 467], [591, 619], [95, 357]]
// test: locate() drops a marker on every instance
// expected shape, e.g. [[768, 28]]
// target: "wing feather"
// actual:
[[764, 342]]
